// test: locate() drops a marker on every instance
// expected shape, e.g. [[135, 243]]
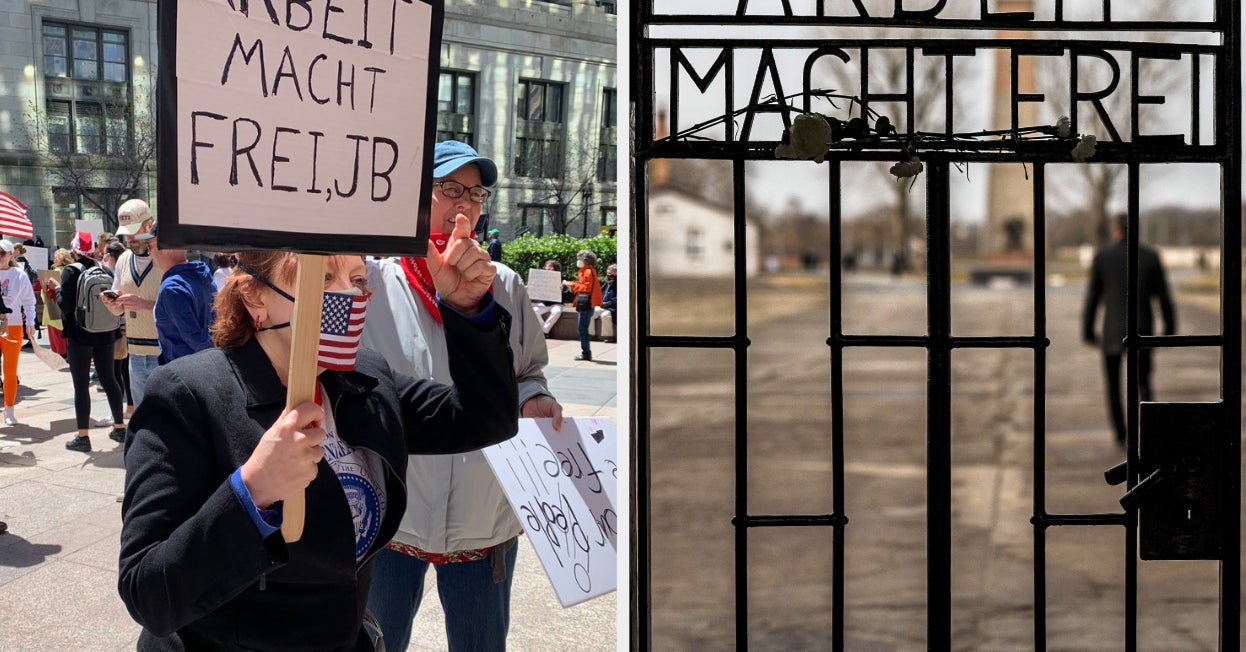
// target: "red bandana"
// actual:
[[421, 280]]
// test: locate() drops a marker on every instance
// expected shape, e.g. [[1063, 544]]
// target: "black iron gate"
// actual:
[[1182, 459]]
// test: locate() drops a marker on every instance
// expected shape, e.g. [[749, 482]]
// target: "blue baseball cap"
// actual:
[[450, 155]]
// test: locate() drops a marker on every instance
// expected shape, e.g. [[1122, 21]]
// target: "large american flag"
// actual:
[[13, 220], [341, 323]]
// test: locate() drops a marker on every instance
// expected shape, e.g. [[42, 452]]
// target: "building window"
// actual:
[[695, 245], [456, 106], [87, 76], [608, 149], [539, 121], [609, 216], [610, 6], [68, 205], [539, 219]]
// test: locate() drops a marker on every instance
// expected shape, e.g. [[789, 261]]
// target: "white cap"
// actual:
[[131, 215]]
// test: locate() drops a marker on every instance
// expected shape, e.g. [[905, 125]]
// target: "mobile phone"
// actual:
[[110, 294]]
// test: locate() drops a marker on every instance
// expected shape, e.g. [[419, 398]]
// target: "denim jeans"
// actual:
[[141, 367], [477, 608], [584, 319]]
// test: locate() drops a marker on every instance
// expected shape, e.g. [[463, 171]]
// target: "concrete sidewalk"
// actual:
[[58, 563]]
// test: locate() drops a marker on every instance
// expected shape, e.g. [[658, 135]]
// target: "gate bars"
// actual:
[[1134, 150]]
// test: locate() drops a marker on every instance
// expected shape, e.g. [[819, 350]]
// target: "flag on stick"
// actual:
[[13, 220], [340, 328]]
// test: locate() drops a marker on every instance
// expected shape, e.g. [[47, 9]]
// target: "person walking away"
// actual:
[[184, 305], [16, 290], [495, 245], [88, 342], [587, 297], [457, 518], [56, 334], [554, 309], [1107, 288], [137, 282], [203, 565]]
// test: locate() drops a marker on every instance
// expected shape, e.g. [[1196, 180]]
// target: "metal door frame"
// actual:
[[939, 341]]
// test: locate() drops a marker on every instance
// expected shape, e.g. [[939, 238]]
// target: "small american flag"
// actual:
[[341, 323], [13, 220]]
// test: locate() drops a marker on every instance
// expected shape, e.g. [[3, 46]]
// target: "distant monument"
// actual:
[[1009, 237]]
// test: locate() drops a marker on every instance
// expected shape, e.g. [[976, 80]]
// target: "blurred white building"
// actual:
[[693, 238]]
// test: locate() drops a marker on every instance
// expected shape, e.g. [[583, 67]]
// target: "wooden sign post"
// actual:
[[308, 130], [301, 380]]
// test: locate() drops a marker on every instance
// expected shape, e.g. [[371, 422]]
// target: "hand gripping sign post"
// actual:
[[303, 126]]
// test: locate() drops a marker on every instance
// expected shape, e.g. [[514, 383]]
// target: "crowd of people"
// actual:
[[194, 361]]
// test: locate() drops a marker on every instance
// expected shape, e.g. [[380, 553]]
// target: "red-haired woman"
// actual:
[[203, 562]]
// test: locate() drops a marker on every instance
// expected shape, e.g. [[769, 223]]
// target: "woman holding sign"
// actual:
[[203, 562]]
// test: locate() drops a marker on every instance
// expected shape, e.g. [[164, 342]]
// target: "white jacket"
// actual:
[[18, 295], [453, 501]]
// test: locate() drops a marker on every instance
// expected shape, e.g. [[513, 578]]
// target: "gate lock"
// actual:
[[1178, 498]]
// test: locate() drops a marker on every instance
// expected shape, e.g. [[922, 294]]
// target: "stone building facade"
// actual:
[[77, 81]]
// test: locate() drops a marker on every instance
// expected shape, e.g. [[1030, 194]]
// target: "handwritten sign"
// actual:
[[545, 285], [563, 486], [301, 126], [37, 257]]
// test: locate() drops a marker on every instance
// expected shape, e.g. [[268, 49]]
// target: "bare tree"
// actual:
[[889, 73], [1093, 186], [572, 197], [105, 158]]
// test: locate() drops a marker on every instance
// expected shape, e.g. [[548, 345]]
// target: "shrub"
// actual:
[[528, 251]]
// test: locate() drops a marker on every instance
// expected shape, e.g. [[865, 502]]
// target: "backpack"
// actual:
[[89, 309]]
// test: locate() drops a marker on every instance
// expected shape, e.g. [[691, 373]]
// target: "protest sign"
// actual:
[[94, 227], [307, 130], [307, 127], [563, 486], [545, 285], [37, 257], [53, 361]]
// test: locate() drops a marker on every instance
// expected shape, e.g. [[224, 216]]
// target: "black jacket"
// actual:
[[1107, 286], [194, 571], [67, 299]]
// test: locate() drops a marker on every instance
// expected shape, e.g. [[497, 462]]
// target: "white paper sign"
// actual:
[[563, 487], [309, 119], [94, 227], [545, 285], [37, 257], [53, 361]]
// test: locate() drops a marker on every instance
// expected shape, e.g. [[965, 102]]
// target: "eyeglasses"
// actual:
[[454, 190]]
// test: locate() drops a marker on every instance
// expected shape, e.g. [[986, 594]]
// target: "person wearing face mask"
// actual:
[[17, 292], [203, 565], [183, 309], [587, 297], [458, 520], [136, 284]]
